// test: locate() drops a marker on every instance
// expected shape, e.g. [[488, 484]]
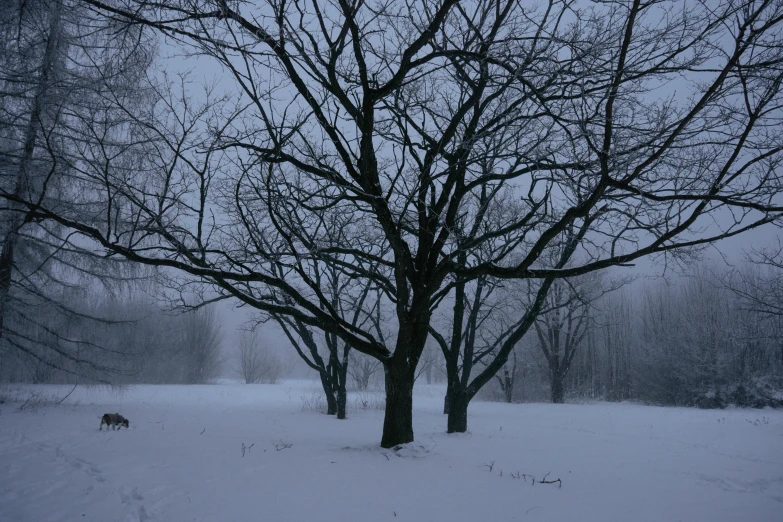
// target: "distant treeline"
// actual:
[[701, 340], [132, 343]]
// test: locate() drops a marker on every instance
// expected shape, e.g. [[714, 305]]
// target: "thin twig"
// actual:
[[69, 394], [557, 481]]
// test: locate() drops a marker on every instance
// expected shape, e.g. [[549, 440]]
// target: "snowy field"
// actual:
[[182, 459]]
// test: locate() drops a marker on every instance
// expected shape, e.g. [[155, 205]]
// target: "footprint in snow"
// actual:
[[131, 499]]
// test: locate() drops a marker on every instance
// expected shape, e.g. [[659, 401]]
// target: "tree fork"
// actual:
[[458, 414]]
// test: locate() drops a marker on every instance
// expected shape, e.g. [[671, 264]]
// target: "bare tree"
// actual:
[[480, 324], [350, 297], [428, 362], [58, 67], [256, 363], [509, 378], [561, 331], [347, 297], [485, 315], [362, 369], [443, 130], [202, 339], [332, 371], [603, 366]]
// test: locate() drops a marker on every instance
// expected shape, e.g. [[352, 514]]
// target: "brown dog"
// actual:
[[114, 420]]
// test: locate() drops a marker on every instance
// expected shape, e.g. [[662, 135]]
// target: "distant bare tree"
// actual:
[[616, 338], [137, 342], [561, 331], [508, 379], [602, 366], [169, 348], [202, 338], [352, 298], [428, 362], [362, 369], [256, 363]]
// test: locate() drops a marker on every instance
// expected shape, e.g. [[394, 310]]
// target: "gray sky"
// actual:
[[207, 70]]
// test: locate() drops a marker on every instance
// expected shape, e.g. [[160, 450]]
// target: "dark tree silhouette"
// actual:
[[437, 131]]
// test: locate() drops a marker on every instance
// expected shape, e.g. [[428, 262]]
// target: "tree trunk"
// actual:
[[342, 398], [331, 403], [24, 180], [452, 391], [452, 384], [6, 272], [508, 383], [458, 414], [558, 393], [398, 420], [509, 392]]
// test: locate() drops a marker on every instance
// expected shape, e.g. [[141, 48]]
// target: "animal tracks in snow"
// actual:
[[89, 468], [132, 498]]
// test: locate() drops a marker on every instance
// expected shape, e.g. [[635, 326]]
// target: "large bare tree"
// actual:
[[603, 131]]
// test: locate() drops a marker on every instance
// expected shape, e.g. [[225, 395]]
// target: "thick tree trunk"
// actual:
[[458, 414], [331, 403], [453, 385], [453, 390], [398, 420], [558, 393]]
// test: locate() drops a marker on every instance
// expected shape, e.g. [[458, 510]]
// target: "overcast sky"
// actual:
[[207, 70]]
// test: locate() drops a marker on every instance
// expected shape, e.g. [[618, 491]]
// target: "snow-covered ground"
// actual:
[[182, 459]]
